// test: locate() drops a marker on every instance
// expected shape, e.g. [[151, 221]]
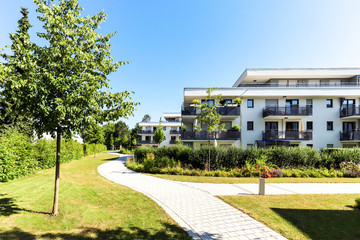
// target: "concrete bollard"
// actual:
[[261, 186]]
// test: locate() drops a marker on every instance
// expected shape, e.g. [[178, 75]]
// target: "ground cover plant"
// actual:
[[303, 216], [249, 162], [92, 207]]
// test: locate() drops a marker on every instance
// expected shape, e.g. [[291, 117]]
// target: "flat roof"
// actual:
[[261, 75]]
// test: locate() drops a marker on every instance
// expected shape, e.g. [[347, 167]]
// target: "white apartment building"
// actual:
[[172, 130], [316, 107]]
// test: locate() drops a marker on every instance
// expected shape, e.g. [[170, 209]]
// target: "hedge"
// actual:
[[229, 158], [20, 156]]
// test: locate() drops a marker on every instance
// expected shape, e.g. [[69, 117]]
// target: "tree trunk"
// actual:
[[95, 151], [209, 153], [55, 209]]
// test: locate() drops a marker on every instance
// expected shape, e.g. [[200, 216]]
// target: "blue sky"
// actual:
[[206, 43]]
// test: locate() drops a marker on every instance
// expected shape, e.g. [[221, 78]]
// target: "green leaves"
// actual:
[[159, 135]]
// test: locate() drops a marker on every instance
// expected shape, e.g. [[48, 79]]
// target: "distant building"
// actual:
[[171, 126], [315, 107]]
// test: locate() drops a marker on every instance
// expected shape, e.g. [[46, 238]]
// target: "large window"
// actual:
[[250, 103]]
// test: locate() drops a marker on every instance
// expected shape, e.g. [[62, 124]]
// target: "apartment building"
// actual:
[[316, 107], [171, 126]]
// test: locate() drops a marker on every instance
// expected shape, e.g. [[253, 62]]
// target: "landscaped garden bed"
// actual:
[[250, 162]]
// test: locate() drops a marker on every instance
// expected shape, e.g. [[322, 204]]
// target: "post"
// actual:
[[261, 186]]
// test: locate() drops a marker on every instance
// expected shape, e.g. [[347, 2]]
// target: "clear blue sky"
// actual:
[[206, 43]]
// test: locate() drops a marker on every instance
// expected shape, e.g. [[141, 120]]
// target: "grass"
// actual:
[[203, 179], [304, 216], [90, 207]]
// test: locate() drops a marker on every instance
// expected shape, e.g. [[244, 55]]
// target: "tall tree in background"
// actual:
[[94, 133], [68, 83], [146, 118], [17, 77], [210, 117]]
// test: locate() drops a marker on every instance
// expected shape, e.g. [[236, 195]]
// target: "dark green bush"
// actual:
[[229, 158]]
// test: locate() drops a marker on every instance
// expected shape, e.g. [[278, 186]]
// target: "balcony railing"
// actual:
[[286, 135], [225, 111], [346, 136], [173, 142], [146, 142], [203, 135], [349, 111], [286, 111], [145, 132], [175, 132], [344, 84]]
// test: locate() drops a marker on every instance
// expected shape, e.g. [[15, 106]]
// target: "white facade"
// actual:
[[291, 106], [172, 128]]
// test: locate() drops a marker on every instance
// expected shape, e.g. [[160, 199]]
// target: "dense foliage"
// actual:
[[21, 156], [229, 158]]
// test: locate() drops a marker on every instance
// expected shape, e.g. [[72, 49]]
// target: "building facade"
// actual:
[[171, 126], [315, 107]]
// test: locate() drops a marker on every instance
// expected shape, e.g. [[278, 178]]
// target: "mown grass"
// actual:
[[304, 216], [91, 207], [204, 179]]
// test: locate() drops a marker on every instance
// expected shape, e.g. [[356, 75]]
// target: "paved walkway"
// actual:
[[201, 214], [204, 216]]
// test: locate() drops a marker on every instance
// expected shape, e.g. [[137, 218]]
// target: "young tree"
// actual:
[[210, 117], [94, 133], [159, 135], [68, 82]]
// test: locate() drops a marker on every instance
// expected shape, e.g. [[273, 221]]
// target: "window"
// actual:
[[210, 102], [309, 102], [250, 103], [329, 145], [309, 125], [329, 103], [225, 102], [250, 125], [330, 126], [164, 128], [309, 145], [173, 138]]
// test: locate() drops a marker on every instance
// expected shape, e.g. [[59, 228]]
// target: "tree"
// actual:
[[94, 134], [68, 81], [146, 118], [122, 134], [159, 135], [18, 69], [210, 117]]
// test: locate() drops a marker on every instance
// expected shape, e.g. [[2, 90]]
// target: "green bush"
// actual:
[[20, 155]]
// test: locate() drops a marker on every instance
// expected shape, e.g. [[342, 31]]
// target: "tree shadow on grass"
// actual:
[[323, 224], [9, 207], [170, 231]]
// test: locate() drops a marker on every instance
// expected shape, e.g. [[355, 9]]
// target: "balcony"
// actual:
[[350, 136], [145, 132], [175, 132], [287, 135], [350, 112], [302, 85], [224, 111], [203, 135], [144, 142], [172, 142], [290, 112]]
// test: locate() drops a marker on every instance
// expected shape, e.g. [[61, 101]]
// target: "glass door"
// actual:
[[292, 106]]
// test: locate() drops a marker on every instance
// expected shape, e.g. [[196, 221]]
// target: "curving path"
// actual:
[[201, 214]]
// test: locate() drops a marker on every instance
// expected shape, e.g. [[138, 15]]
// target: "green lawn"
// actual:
[[90, 207], [203, 179], [304, 216]]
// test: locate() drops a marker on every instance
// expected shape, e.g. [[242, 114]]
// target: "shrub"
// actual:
[[235, 127], [357, 202], [195, 101]]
